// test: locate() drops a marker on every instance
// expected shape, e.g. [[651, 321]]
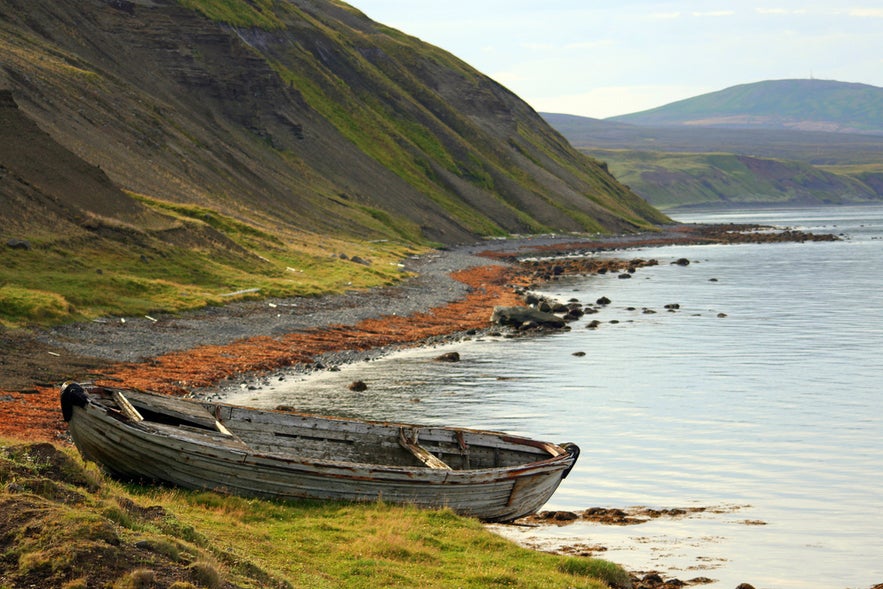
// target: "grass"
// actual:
[[856, 170], [254, 13], [374, 545], [93, 531], [118, 272]]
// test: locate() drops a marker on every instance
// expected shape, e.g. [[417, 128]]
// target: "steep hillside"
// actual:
[[808, 105], [47, 190], [159, 155], [300, 114]]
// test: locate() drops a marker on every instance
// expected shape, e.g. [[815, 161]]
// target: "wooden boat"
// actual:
[[243, 451]]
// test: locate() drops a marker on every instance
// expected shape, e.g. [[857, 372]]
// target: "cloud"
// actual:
[[780, 11], [867, 12], [538, 46], [716, 13], [665, 15], [859, 12], [589, 44], [557, 48]]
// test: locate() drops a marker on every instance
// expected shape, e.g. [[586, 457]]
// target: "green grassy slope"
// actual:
[[671, 180], [65, 525], [812, 147], [74, 246]]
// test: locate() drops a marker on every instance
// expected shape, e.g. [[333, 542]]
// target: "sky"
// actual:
[[601, 58]]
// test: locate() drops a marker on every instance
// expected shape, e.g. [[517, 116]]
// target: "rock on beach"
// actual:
[[520, 317]]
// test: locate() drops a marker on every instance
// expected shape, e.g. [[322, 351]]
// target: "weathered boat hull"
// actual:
[[270, 454]]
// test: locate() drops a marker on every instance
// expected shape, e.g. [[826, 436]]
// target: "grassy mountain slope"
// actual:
[[302, 112], [227, 142], [714, 179], [811, 105]]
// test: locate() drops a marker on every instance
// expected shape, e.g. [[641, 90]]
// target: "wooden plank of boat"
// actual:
[[422, 454], [198, 436], [172, 407], [126, 407], [190, 412]]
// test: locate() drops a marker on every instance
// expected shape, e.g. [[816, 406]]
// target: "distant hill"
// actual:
[[812, 147], [806, 105], [779, 142]]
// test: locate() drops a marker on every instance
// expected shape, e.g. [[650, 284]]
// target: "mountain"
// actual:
[[786, 142], [812, 147], [160, 155], [805, 105], [301, 114]]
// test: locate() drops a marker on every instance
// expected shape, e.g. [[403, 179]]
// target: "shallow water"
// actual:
[[759, 399]]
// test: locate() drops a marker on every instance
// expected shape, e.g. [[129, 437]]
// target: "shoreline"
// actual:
[[453, 291], [493, 272]]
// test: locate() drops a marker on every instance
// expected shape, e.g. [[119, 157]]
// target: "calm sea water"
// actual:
[[760, 399]]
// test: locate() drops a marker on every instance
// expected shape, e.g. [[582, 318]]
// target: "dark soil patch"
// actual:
[[27, 363]]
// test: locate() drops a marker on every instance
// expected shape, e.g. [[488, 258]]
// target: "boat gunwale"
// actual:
[[559, 455]]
